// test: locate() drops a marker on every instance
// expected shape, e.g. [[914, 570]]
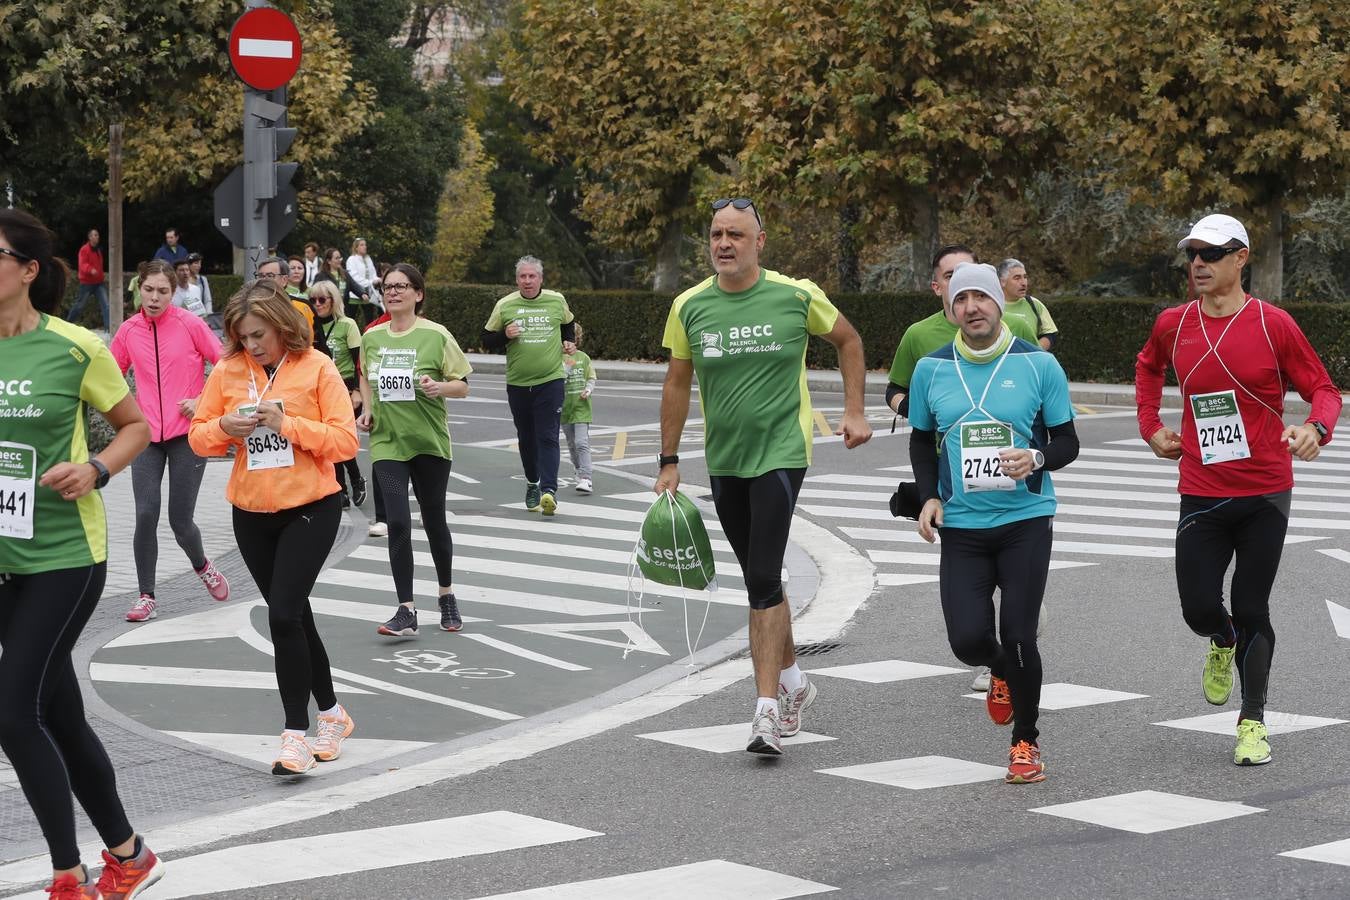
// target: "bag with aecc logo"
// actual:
[[674, 548]]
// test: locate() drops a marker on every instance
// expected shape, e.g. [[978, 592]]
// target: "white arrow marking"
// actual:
[[1342, 555], [1340, 619], [638, 639], [266, 49]]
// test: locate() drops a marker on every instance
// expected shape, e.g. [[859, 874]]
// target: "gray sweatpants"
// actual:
[[579, 447], [185, 479]]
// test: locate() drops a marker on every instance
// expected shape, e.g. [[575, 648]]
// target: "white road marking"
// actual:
[[262, 748], [122, 673], [886, 671], [920, 772], [1224, 723], [467, 592], [713, 879], [525, 653], [1340, 618], [723, 738], [1072, 696], [637, 639], [1148, 812]]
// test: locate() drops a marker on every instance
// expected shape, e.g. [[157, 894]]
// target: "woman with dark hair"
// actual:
[[283, 406], [169, 348], [343, 339], [353, 296], [53, 558], [409, 366]]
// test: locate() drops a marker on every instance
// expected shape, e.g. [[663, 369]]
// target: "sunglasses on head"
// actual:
[[1209, 254], [738, 203]]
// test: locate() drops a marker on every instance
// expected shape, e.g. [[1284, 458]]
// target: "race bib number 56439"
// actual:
[[18, 489]]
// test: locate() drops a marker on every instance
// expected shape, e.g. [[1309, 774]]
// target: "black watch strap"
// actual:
[[103, 475], [1321, 429], [672, 460]]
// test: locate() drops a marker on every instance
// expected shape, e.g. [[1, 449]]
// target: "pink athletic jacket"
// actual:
[[168, 354]]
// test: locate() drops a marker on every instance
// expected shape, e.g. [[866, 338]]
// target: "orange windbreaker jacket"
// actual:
[[319, 425]]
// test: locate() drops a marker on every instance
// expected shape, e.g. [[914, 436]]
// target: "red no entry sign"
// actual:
[[265, 48]]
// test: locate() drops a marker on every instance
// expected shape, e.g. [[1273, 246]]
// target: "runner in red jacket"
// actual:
[[1234, 357]]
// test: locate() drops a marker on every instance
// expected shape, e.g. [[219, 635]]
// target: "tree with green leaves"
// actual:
[[464, 215], [1239, 106], [894, 107], [636, 93]]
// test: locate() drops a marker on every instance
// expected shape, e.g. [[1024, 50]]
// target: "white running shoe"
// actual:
[[584, 486], [792, 704], [295, 758], [333, 730], [766, 735], [981, 682], [378, 529]]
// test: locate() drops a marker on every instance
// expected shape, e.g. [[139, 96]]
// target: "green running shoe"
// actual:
[[1217, 677], [1252, 747], [532, 496]]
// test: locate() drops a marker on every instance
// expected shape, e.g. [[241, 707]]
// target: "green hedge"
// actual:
[[1099, 337]]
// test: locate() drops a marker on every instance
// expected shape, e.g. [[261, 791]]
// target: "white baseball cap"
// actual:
[[1217, 230], [980, 277]]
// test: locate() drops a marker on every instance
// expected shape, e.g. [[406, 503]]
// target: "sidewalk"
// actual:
[[828, 380]]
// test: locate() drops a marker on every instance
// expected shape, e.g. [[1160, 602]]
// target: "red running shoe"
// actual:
[[1024, 764], [998, 701], [68, 887], [216, 583], [125, 880]]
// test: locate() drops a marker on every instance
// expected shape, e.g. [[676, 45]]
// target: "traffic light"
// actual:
[[266, 138]]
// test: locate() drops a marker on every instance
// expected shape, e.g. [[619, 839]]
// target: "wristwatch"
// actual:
[[1321, 429], [1037, 460], [101, 481], [672, 460]]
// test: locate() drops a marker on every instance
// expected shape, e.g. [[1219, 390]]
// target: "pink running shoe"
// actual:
[[214, 581], [142, 609]]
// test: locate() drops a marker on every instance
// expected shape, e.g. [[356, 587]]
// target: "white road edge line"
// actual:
[[847, 580]]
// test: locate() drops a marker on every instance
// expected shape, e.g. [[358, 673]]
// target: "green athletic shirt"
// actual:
[[403, 429], [1033, 312], [535, 355], [751, 366], [342, 336], [47, 375], [578, 373], [934, 333]]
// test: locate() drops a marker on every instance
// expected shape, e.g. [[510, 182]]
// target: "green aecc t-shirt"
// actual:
[[535, 355], [406, 422]]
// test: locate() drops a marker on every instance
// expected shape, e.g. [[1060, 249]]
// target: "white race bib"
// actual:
[[266, 447], [1218, 424], [395, 384], [18, 489], [981, 468]]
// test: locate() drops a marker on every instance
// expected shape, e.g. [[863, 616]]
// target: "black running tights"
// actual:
[[1210, 532], [284, 552], [1015, 558], [43, 731], [428, 475]]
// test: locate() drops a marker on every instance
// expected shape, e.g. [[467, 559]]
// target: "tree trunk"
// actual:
[[675, 200], [850, 279], [114, 227], [924, 240], [1267, 260]]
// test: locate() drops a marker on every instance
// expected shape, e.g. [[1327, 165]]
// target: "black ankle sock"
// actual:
[[135, 851]]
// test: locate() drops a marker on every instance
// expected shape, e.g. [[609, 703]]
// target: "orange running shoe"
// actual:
[[295, 758], [333, 730], [1024, 764], [125, 880], [68, 887], [998, 701]]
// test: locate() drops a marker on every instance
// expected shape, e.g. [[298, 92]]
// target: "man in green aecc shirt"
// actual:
[[744, 332]]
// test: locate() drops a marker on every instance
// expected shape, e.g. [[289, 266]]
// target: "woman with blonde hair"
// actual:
[[342, 336], [284, 408]]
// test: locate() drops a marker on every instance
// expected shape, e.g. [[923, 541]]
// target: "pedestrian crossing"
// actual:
[[1115, 501]]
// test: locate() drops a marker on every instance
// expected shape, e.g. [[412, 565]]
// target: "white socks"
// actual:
[[766, 704], [792, 678], [332, 713], [294, 731]]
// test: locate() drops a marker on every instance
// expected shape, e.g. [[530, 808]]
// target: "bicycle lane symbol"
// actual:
[[439, 662]]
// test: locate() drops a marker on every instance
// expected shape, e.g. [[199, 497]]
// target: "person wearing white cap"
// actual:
[[989, 493], [1234, 356]]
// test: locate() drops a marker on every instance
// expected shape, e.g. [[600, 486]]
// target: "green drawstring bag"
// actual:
[[674, 548]]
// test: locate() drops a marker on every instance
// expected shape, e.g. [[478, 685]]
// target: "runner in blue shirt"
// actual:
[[1000, 408]]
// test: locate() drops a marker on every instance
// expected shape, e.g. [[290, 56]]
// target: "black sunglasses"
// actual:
[[19, 256], [738, 203], [1209, 254]]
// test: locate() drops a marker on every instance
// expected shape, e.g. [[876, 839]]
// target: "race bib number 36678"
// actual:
[[18, 489]]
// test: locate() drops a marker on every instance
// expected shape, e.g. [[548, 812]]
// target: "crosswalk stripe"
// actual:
[[1331, 474], [610, 514], [343, 853], [121, 673], [531, 548], [627, 536], [469, 594], [934, 558], [551, 575], [713, 879]]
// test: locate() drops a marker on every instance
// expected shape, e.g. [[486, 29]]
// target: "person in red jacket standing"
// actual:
[[91, 280], [1234, 358]]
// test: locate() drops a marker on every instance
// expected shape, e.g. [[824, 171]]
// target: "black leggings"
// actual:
[[756, 514], [347, 468], [1210, 532], [1015, 558], [284, 552], [43, 731], [429, 475], [537, 412]]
